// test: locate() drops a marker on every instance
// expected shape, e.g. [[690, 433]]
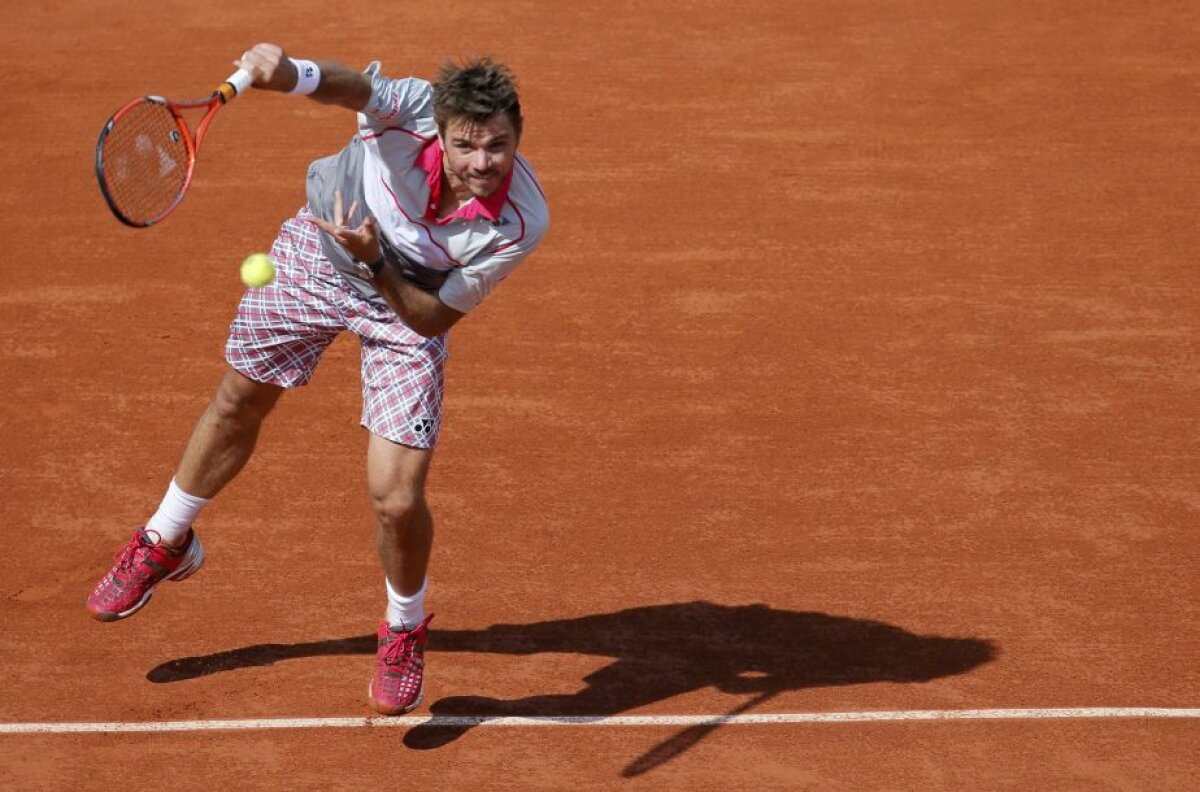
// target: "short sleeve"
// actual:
[[467, 286], [407, 102]]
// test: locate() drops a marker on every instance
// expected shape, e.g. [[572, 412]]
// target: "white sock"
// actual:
[[405, 612], [175, 515]]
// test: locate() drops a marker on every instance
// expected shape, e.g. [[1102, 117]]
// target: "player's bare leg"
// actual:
[[396, 477], [225, 435], [396, 481]]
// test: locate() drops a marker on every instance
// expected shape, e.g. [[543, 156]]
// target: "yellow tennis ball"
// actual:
[[257, 270]]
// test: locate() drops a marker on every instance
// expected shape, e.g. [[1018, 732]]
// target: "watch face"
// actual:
[[364, 270]]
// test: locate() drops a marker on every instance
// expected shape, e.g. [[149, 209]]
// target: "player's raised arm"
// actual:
[[327, 82]]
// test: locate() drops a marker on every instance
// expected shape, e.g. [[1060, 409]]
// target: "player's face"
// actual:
[[479, 155]]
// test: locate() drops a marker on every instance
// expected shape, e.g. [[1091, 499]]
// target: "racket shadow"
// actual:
[[659, 652]]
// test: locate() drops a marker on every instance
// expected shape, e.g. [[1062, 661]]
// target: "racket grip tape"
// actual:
[[235, 84]]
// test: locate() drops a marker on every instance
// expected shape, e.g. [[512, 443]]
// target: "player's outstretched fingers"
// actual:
[[361, 242]]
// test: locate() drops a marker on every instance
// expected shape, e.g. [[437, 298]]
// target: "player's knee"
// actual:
[[243, 401], [398, 509]]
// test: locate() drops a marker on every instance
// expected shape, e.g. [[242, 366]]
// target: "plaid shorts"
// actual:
[[281, 330]]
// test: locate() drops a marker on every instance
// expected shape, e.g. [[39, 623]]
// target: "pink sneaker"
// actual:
[[399, 680], [141, 565]]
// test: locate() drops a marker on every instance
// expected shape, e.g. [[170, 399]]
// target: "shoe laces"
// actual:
[[128, 555], [401, 653]]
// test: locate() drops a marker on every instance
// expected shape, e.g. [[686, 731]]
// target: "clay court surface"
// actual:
[[857, 374]]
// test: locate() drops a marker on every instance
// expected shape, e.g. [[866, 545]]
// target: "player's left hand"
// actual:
[[361, 242]]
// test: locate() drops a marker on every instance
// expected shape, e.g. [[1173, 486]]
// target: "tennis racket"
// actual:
[[146, 153]]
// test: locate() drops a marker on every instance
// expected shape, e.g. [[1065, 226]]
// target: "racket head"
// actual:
[[145, 156]]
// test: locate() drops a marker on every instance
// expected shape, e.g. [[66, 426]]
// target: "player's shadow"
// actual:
[[659, 652]]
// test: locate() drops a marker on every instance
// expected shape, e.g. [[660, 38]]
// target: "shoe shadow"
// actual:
[[258, 655], [659, 651]]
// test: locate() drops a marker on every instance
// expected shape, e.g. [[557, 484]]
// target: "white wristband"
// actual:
[[308, 76]]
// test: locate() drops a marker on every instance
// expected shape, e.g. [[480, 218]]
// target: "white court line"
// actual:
[[612, 720]]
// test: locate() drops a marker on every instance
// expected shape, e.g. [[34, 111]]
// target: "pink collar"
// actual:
[[429, 159]]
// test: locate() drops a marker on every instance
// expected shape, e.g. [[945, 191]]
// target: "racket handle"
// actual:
[[235, 84]]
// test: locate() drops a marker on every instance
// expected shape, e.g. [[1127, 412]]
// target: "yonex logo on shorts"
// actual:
[[423, 425]]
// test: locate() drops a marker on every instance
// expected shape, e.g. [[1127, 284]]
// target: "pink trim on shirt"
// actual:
[[532, 178], [380, 133], [424, 227]]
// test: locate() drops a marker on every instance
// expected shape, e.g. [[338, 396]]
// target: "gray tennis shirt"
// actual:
[[390, 168]]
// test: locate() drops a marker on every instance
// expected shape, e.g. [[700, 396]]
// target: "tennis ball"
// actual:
[[257, 270]]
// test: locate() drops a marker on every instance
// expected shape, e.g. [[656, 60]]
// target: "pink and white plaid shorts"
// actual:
[[281, 330]]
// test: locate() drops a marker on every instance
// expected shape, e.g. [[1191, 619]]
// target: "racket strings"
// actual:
[[145, 162]]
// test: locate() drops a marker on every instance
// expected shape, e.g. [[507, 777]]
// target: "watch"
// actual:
[[368, 271]]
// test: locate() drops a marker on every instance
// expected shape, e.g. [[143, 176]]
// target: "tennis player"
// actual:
[[406, 230]]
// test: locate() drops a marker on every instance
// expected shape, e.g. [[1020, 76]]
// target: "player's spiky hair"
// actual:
[[475, 90]]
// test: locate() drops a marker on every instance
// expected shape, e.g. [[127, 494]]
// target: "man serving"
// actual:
[[405, 231]]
